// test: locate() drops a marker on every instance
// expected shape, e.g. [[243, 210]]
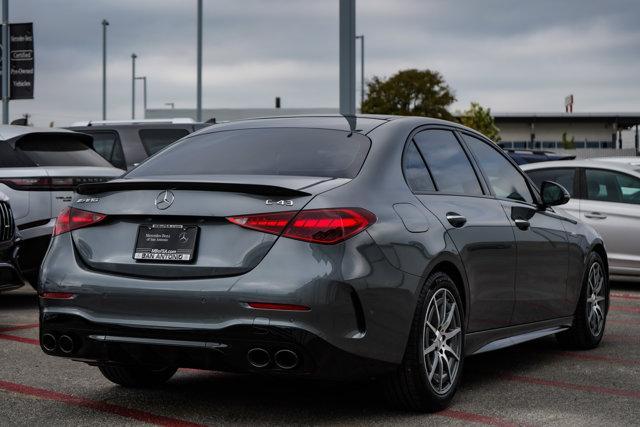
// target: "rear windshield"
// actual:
[[281, 151], [59, 151], [155, 140]]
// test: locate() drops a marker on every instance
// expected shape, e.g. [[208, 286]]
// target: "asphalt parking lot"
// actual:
[[536, 383]]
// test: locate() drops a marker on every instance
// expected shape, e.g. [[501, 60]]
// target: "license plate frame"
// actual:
[[166, 243]]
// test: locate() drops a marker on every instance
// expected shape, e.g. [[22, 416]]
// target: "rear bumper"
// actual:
[[225, 349]]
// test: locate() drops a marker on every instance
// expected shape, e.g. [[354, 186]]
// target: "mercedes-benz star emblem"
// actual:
[[164, 200], [183, 237]]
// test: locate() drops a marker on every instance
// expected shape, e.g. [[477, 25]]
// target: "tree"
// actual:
[[410, 93], [480, 119]]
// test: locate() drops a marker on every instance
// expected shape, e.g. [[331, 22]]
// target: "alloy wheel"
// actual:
[[442, 341], [595, 298]]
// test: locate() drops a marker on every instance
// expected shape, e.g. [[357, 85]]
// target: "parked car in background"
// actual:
[[39, 169], [523, 157], [126, 143], [328, 246], [10, 277], [605, 193]]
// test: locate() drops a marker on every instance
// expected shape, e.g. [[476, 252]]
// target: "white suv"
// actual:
[[39, 169]]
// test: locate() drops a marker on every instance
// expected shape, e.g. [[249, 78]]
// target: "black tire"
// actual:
[[582, 336], [137, 376], [410, 387]]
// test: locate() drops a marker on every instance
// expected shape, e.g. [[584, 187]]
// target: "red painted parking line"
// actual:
[[570, 386], [19, 327], [95, 405], [598, 358], [19, 339], [620, 321], [624, 296], [625, 309], [475, 418]]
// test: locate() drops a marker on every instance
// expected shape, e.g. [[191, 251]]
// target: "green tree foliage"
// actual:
[[480, 119], [568, 143], [410, 93]]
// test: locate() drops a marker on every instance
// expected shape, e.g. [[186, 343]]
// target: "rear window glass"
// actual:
[[59, 151], [107, 144], [10, 158], [155, 140], [281, 151]]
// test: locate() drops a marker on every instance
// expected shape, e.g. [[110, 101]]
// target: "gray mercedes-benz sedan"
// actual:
[[329, 246]]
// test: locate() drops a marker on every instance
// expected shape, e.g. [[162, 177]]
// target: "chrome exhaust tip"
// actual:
[[286, 359], [258, 357], [49, 342], [66, 344]]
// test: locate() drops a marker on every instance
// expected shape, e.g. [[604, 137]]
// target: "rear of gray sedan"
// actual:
[[253, 268]]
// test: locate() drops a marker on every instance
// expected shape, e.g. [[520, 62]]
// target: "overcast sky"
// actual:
[[508, 55]]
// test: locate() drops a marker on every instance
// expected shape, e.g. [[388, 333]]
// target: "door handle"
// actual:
[[595, 215], [456, 219], [522, 224]]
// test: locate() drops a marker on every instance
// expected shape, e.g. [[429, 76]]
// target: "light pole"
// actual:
[[347, 53], [361, 37], [6, 68], [133, 85], [105, 23], [144, 92], [199, 78]]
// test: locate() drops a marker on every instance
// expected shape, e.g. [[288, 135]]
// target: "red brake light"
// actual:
[[71, 219], [57, 295], [276, 306], [327, 226]]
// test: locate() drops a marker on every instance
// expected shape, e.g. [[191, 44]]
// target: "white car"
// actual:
[[39, 169], [605, 193]]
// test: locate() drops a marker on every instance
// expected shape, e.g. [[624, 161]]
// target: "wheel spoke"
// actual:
[[434, 367], [448, 365], [430, 349], [441, 373], [434, 330], [447, 348], [447, 322], [451, 334]]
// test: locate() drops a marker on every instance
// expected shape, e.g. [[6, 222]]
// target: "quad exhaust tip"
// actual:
[[66, 344], [258, 357], [286, 359], [49, 342]]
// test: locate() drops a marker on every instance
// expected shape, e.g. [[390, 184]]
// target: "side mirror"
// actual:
[[553, 194]]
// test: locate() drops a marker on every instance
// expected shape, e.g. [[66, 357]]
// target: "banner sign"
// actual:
[[22, 61]]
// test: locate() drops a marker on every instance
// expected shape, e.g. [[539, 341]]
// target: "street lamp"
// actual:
[[133, 85], [144, 91], [105, 23], [199, 72], [361, 38]]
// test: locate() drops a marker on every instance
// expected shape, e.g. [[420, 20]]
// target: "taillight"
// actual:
[[71, 219], [57, 295], [50, 184], [26, 184], [327, 226]]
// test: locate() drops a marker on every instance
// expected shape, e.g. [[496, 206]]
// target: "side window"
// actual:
[[447, 161], [563, 176], [505, 180], [415, 171], [609, 186], [107, 144], [155, 140]]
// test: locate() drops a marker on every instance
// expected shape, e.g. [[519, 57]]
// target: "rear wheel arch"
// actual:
[[450, 269], [600, 250]]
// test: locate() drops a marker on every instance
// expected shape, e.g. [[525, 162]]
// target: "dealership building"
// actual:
[[540, 131]]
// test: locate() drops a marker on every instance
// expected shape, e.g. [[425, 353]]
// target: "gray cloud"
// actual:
[[508, 55]]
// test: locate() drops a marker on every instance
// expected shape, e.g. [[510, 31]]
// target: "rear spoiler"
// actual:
[[125, 184]]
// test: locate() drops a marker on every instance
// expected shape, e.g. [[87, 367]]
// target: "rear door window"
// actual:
[[447, 162], [53, 150], [563, 176], [155, 140], [610, 186], [108, 145], [270, 151]]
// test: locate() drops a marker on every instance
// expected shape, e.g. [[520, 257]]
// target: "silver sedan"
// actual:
[[605, 193]]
